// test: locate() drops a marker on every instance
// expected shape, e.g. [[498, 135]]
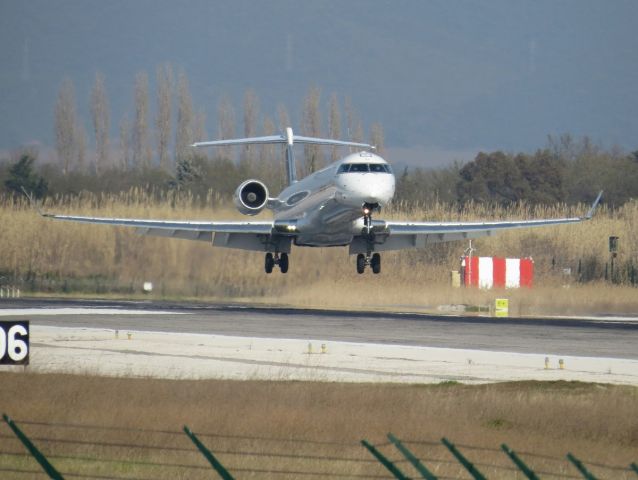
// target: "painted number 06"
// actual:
[[16, 348]]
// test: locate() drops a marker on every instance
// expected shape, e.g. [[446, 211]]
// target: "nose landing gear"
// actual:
[[369, 259], [276, 259]]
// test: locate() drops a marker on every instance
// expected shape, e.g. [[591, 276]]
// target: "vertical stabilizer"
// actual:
[[291, 169]]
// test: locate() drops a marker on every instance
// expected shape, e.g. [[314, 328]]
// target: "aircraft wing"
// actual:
[[189, 230], [390, 235]]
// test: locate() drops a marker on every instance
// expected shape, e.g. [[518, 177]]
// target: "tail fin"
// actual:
[[289, 139]]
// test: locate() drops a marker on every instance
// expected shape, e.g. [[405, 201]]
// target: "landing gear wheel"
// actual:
[[283, 262], [269, 263], [361, 263], [376, 263]]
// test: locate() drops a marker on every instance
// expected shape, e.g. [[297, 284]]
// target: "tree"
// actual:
[[492, 177], [355, 129], [80, 141], [163, 120], [65, 124], [184, 134], [334, 124], [251, 115], [101, 122], [313, 156], [22, 176], [377, 138], [284, 118], [141, 147], [125, 147], [226, 125]]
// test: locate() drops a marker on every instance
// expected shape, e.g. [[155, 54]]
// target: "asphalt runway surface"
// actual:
[[575, 336]]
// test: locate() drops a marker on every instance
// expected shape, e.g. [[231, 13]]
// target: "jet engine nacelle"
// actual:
[[251, 197]]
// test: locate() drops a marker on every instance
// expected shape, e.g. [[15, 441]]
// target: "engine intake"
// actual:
[[251, 197]]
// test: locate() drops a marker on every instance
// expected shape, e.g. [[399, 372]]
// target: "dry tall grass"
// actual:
[[63, 256], [312, 427]]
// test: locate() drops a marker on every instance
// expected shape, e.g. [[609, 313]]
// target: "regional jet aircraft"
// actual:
[[329, 208]]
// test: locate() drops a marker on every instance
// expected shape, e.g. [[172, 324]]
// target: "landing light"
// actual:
[[366, 211]]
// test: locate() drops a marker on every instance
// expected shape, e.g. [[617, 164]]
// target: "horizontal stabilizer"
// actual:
[[290, 138]]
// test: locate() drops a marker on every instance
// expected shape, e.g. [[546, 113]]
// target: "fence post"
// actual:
[[529, 473], [469, 466], [416, 463], [386, 463], [223, 473], [41, 459], [581, 468]]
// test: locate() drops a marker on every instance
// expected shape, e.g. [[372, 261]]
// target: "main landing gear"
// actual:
[[373, 261], [276, 259], [369, 259]]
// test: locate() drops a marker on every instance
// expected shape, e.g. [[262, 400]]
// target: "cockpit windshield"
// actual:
[[364, 168]]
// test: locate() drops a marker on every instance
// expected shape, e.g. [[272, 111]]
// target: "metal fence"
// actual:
[[76, 450]]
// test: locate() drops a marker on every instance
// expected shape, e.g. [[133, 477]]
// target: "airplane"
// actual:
[[332, 207]]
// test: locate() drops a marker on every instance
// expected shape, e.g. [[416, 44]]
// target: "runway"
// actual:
[[191, 340], [602, 337]]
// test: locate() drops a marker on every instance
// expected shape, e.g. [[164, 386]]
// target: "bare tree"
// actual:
[[251, 114], [284, 118], [377, 138], [355, 129], [101, 122], [65, 125], [334, 124], [185, 119], [226, 125], [141, 146], [199, 128], [271, 170], [125, 147], [163, 120], [313, 156], [80, 145]]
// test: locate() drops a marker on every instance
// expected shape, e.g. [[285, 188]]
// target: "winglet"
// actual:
[[594, 205]]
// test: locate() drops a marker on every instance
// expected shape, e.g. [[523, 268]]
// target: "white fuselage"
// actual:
[[326, 208]]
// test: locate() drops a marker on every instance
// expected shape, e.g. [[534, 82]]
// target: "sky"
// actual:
[[446, 79]]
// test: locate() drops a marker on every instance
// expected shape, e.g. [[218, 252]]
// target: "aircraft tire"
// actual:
[[283, 263], [269, 263], [376, 263], [361, 263]]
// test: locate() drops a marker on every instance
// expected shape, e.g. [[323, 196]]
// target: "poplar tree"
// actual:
[[377, 138], [355, 129], [226, 125], [65, 125], [125, 147], [163, 120], [313, 156], [334, 124], [185, 120], [101, 122], [251, 114], [80, 142], [141, 146]]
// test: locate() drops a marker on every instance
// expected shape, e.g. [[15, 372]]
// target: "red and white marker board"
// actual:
[[489, 272]]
